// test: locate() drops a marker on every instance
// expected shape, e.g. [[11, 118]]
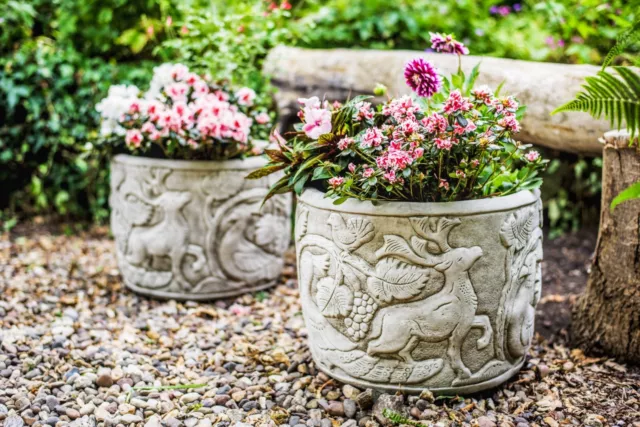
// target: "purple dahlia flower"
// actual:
[[422, 77]]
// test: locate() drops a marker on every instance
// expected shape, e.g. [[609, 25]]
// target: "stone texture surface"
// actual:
[[340, 73], [195, 230], [408, 296]]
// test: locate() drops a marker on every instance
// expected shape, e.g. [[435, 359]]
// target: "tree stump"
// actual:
[[606, 318]]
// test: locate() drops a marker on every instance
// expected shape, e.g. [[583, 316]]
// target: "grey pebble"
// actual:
[[13, 421]]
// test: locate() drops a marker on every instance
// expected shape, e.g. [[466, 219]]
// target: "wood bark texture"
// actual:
[[606, 318]]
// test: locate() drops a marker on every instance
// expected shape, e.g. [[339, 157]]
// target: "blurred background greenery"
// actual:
[[58, 58]]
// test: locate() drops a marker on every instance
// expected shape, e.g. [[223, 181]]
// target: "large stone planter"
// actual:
[[408, 296], [194, 230]]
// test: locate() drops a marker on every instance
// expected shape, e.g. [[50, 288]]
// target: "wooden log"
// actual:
[[606, 318], [339, 73]]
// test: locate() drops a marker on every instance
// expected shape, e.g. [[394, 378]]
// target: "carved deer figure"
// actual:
[[169, 237], [448, 314]]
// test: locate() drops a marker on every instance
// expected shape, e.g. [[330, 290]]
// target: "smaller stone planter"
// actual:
[[194, 230], [408, 296]]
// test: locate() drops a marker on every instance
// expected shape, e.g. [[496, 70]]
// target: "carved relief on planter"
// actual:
[[398, 299], [196, 230]]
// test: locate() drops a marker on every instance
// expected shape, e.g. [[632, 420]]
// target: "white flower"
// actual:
[[111, 108]]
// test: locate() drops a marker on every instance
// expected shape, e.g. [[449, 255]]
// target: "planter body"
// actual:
[[408, 296], [194, 230]]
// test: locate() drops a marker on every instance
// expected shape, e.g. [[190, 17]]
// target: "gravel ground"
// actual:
[[78, 349]]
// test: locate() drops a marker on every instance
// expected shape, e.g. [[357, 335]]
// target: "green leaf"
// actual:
[[628, 37], [615, 97], [630, 193], [267, 170]]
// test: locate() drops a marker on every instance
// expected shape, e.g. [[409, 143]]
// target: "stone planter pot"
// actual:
[[194, 230], [408, 296]]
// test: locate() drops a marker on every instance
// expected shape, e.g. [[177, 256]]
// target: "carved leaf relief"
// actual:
[[397, 280], [517, 229], [334, 300]]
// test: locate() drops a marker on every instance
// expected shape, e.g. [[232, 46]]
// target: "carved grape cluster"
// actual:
[[364, 308]]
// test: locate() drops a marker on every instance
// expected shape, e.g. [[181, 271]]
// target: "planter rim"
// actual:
[[248, 163], [316, 199]]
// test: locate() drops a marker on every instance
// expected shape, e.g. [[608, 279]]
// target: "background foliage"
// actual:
[[58, 58]]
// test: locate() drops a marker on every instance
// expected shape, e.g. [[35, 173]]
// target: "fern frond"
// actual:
[[628, 37], [616, 96]]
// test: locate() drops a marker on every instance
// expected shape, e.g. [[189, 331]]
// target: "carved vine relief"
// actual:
[[243, 244], [367, 319]]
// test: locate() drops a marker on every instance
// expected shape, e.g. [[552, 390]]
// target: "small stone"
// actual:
[[550, 422], [32, 374], [350, 392], [154, 421], [87, 409], [485, 422], [104, 380], [221, 399], [392, 403], [238, 395], [350, 408], [350, 423], [13, 421], [427, 395], [594, 420], [543, 370], [72, 413], [335, 408], [333, 395], [365, 399], [52, 421], [190, 397], [130, 418]]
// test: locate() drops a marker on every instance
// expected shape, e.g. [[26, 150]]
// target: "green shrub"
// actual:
[[573, 31]]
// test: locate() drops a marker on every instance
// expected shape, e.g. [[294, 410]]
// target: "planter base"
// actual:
[[438, 391], [163, 295]]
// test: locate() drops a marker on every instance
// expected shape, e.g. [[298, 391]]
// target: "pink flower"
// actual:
[[246, 96], [133, 138], [390, 176], [368, 172], [460, 174], [345, 143], [191, 79], [444, 184], [483, 94], [200, 88], [401, 108], [184, 30], [459, 130], [445, 43], [509, 104], [169, 21], [398, 159], [336, 181], [177, 91], [457, 102], [443, 144], [532, 156], [317, 122], [179, 72], [435, 123], [510, 123], [372, 138], [263, 118], [148, 127], [475, 163], [364, 111], [422, 77], [352, 167], [418, 152], [312, 102]]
